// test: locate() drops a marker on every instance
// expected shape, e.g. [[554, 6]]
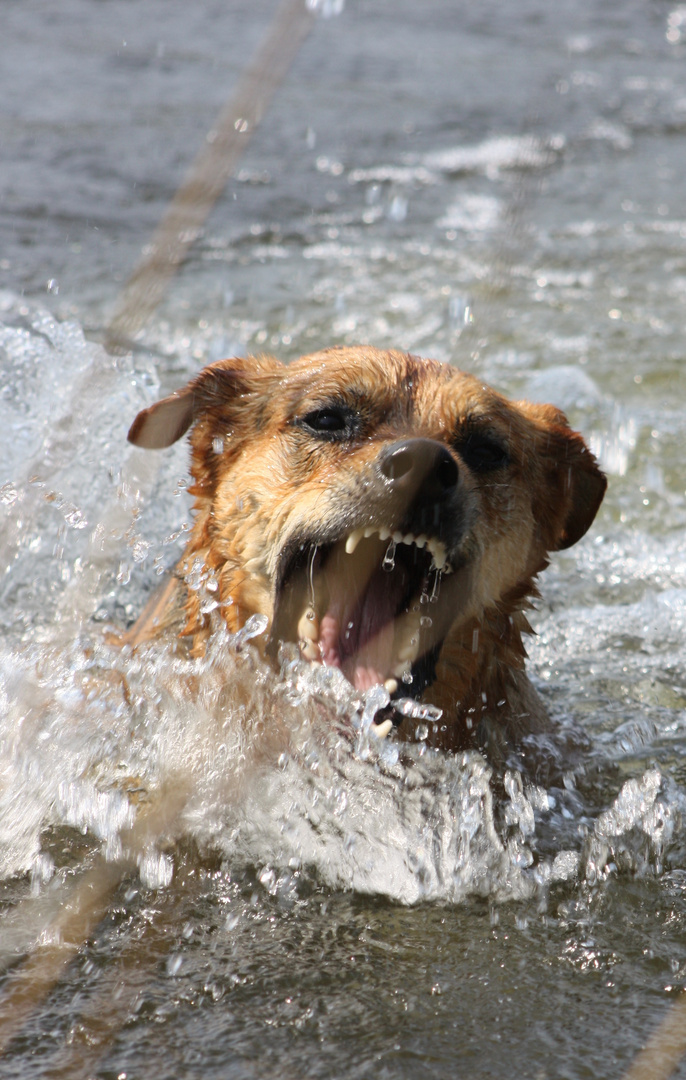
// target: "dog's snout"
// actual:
[[420, 463]]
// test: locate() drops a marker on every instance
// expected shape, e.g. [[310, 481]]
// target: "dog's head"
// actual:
[[371, 504]]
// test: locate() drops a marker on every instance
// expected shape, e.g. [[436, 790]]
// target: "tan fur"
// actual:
[[265, 483]]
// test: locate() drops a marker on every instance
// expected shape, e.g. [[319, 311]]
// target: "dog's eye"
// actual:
[[481, 453], [332, 422]]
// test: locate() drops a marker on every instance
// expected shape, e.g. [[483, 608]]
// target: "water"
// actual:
[[497, 185]]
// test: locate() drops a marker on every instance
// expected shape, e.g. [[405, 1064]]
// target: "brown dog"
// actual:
[[388, 513]]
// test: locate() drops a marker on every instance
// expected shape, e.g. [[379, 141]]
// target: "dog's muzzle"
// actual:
[[377, 597]]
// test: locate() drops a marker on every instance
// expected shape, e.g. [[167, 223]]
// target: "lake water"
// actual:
[[498, 185]]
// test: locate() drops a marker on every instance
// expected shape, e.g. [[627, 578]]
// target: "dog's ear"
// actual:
[[163, 423], [578, 485], [214, 388]]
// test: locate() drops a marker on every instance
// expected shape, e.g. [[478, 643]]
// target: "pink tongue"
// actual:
[[356, 632], [364, 669]]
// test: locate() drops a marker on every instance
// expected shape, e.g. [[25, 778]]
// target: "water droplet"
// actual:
[[310, 574], [8, 494], [437, 588], [388, 563], [426, 621], [174, 965]]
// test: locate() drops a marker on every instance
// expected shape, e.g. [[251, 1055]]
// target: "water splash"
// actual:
[[280, 768]]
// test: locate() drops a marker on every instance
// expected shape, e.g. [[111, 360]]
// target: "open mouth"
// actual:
[[376, 604]]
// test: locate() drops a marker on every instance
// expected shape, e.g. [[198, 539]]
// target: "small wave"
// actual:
[[497, 155]]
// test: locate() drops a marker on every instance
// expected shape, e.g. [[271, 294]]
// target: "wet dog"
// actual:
[[387, 514]]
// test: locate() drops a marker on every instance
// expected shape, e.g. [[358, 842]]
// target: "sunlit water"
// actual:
[[322, 905]]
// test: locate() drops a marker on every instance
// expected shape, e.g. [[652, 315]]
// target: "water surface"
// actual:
[[500, 186]]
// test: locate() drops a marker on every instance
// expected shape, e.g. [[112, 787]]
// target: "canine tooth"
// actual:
[[402, 669], [309, 650], [391, 685], [381, 730], [440, 559], [353, 540], [308, 626], [384, 534], [439, 553]]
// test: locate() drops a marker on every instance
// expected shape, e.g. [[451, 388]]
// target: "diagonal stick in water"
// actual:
[[188, 210], [28, 984], [665, 1048], [81, 910], [144, 290]]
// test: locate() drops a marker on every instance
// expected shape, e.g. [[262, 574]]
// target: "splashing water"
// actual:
[[280, 770]]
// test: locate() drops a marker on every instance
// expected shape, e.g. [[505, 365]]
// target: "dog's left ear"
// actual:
[[214, 390], [577, 483]]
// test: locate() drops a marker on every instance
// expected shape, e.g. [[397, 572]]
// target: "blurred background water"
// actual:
[[501, 186]]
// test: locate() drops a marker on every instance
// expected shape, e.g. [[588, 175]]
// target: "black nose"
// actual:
[[420, 466]]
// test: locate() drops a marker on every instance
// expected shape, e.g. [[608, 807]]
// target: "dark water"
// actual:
[[522, 163]]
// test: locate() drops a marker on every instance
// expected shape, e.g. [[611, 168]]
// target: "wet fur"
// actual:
[[262, 482]]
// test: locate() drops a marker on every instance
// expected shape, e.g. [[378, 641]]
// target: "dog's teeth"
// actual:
[[408, 539], [384, 534], [369, 531], [391, 685], [381, 730], [309, 650], [420, 541], [397, 537], [439, 553], [354, 539], [308, 626], [402, 668], [440, 559]]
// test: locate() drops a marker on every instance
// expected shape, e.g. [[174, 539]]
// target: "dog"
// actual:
[[386, 514]]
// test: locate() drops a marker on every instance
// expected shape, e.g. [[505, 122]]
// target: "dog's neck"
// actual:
[[480, 682]]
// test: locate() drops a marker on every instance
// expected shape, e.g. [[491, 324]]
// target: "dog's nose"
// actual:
[[415, 465]]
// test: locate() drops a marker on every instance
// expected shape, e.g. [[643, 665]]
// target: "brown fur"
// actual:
[[270, 485]]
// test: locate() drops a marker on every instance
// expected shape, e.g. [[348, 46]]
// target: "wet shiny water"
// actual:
[[501, 186]]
